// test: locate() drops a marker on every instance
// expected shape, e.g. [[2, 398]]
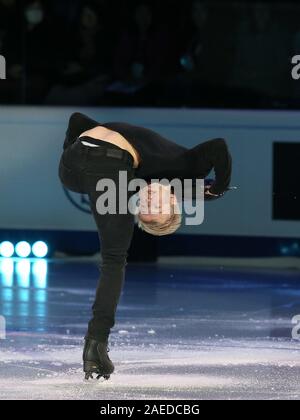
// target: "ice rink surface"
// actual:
[[197, 333]]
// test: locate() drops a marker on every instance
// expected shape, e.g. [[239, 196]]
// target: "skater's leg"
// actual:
[[80, 170], [115, 235]]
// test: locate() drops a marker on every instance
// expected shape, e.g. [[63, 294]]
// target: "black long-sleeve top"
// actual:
[[162, 158]]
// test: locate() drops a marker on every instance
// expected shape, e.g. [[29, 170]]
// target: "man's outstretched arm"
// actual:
[[222, 163], [213, 154]]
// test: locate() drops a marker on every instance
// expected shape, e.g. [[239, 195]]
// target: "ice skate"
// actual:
[[96, 360]]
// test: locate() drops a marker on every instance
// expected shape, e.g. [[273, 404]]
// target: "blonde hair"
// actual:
[[167, 228]]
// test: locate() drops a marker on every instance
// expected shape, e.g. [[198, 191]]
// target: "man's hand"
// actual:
[[207, 192], [208, 196]]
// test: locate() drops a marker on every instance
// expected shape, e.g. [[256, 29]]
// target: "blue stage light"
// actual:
[[23, 249], [284, 250], [40, 249], [7, 249]]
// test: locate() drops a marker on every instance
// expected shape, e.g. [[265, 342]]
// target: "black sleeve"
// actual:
[[213, 154], [222, 162]]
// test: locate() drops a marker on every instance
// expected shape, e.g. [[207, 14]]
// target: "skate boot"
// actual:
[[96, 360]]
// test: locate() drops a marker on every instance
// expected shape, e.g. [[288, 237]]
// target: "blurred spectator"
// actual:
[[66, 11], [205, 58], [8, 17], [143, 58], [30, 53], [153, 53], [87, 66], [261, 60]]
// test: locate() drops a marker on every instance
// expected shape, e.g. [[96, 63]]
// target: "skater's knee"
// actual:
[[114, 259]]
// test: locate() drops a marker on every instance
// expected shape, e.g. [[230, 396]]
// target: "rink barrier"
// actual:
[[87, 243]]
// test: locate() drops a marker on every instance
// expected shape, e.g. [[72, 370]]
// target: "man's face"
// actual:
[[155, 203]]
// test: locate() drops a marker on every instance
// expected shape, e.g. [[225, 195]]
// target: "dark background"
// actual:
[[286, 199], [229, 54]]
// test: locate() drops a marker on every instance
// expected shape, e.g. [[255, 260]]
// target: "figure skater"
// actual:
[[93, 151]]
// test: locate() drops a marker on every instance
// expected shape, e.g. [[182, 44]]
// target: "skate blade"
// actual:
[[98, 377], [88, 376], [105, 377], [91, 368]]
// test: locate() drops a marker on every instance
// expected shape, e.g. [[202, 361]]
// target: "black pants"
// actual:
[[80, 169]]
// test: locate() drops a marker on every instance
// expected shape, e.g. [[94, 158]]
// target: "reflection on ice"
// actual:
[[22, 270], [39, 273], [6, 272], [23, 291]]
